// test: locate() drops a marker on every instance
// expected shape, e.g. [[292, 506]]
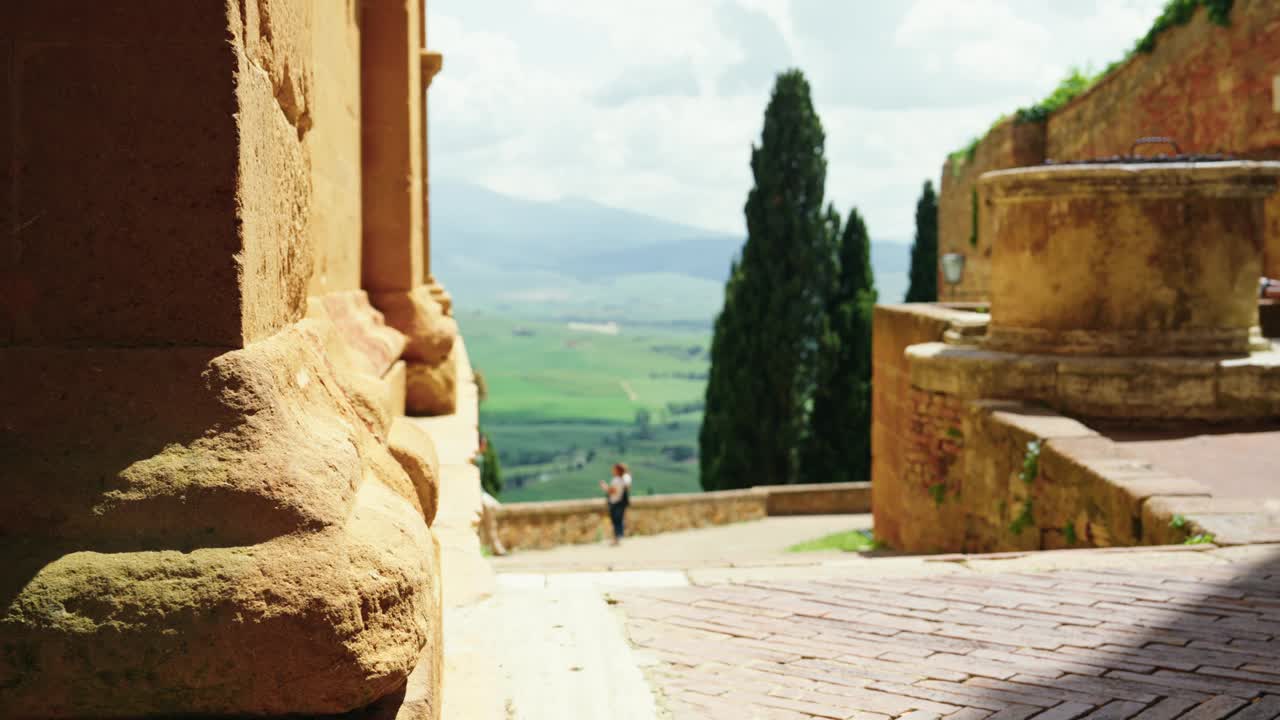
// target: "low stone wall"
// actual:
[[898, 438], [568, 522], [952, 426], [1026, 478], [817, 499]]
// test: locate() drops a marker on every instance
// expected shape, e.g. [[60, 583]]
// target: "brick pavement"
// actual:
[[1188, 641]]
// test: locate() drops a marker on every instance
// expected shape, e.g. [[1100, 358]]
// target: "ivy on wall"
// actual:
[[1180, 12], [1078, 81], [1028, 473]]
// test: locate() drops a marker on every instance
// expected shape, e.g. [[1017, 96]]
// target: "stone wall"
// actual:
[[893, 411], [931, 475], [125, 141], [952, 424], [818, 498], [333, 144], [568, 522], [1037, 480], [963, 214], [213, 506], [1211, 88]]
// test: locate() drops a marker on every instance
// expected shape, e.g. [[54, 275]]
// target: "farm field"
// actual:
[[566, 402]]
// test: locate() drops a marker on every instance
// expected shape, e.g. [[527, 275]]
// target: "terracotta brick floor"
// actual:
[[1172, 642], [1233, 462]]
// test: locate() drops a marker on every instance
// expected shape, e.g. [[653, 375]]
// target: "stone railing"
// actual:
[[567, 522]]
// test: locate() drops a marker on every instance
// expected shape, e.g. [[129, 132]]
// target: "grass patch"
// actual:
[[851, 541]]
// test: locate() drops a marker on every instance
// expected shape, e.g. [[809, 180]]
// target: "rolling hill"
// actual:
[[564, 400], [577, 259]]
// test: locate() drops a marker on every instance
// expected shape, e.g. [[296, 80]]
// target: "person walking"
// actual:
[[618, 491]]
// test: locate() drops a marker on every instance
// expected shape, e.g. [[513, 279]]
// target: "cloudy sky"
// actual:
[[652, 105]]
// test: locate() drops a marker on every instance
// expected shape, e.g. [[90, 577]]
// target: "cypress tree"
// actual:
[[924, 251], [490, 470], [765, 348], [838, 448]]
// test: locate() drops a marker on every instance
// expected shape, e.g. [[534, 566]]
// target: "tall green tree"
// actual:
[[924, 251], [764, 353], [490, 470], [838, 447]]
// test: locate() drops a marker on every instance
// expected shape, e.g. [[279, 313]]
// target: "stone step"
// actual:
[[538, 650]]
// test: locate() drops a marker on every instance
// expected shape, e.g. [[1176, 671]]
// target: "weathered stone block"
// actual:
[[1250, 387], [396, 382], [182, 555], [432, 389], [431, 334], [413, 448], [391, 136], [373, 345], [1137, 387], [333, 145], [216, 190]]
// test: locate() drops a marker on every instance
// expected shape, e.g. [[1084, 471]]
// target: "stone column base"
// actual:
[[432, 373], [432, 389], [430, 332], [224, 534], [441, 295]]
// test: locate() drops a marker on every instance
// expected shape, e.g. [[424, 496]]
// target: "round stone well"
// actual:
[[1128, 258]]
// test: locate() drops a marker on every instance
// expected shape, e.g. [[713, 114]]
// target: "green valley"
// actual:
[[567, 400]]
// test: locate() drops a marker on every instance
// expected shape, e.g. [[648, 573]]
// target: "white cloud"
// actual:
[[654, 106]]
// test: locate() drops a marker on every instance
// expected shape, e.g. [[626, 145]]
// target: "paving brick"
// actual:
[[963, 666], [1110, 687], [1041, 619], [940, 696], [1057, 645], [1263, 678], [1187, 681], [1166, 709], [1051, 664], [906, 668], [920, 715], [1116, 710], [1015, 712], [1118, 657], [1215, 708], [1043, 690], [1065, 711], [725, 630], [969, 713], [1265, 708], [1006, 696]]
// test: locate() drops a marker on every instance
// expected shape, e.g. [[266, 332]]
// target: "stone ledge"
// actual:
[[1229, 388], [818, 498], [564, 522], [573, 507]]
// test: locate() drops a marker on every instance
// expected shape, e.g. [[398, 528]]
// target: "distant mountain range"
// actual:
[[577, 259]]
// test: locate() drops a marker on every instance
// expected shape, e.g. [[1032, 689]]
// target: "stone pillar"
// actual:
[[395, 237], [432, 63], [201, 514]]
